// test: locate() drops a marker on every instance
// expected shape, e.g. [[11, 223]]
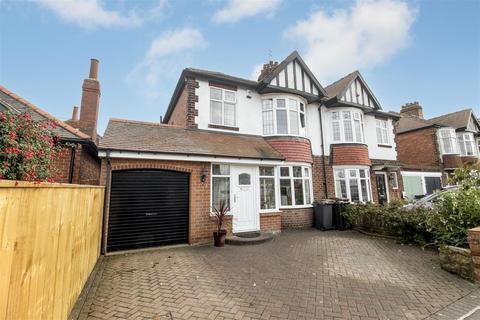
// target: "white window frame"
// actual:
[[355, 116], [223, 101], [220, 176], [462, 142], [394, 180], [347, 178], [384, 138], [302, 130], [275, 184], [445, 134], [305, 180]]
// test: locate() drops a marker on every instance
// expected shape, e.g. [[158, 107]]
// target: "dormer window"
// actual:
[[283, 116], [347, 126], [223, 107]]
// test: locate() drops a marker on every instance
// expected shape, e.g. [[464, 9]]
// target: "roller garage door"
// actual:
[[148, 208]]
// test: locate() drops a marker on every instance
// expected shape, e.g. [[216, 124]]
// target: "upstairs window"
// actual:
[[223, 107], [283, 116], [347, 126], [466, 144], [448, 141], [383, 136]]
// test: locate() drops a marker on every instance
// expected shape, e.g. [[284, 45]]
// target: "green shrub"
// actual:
[[455, 213]]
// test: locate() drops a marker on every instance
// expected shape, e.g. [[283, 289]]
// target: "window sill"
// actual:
[[297, 207], [218, 126], [384, 145], [270, 212]]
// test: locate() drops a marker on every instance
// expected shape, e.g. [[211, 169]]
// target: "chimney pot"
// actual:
[[93, 69], [75, 113], [412, 109]]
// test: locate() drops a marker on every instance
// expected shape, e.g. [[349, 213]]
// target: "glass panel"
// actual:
[[302, 120], [340, 173], [267, 193], [215, 112], [292, 104], [362, 173], [354, 195], [347, 115], [221, 169], [341, 188], [297, 172], [363, 184], [215, 93], [281, 103], [267, 104], [268, 122], [302, 107], [229, 96], [308, 200], [379, 135], [229, 114], [285, 171], [220, 190], [336, 131], [293, 122], [347, 126], [244, 179], [282, 122], [267, 171], [298, 186], [306, 172], [353, 173], [358, 131], [285, 192], [335, 115]]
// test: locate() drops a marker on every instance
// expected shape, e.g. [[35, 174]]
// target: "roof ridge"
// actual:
[[62, 124], [342, 78], [146, 123]]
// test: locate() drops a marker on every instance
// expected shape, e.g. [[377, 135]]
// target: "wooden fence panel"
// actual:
[[50, 237]]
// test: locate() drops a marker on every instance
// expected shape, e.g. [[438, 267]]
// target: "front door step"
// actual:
[[249, 238]]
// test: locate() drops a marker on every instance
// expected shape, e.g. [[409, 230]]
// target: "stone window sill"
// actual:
[[217, 126], [384, 146]]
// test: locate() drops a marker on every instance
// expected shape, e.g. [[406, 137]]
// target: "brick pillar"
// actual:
[[474, 243]]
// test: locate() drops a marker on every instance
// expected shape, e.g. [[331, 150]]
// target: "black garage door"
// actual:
[[147, 208]]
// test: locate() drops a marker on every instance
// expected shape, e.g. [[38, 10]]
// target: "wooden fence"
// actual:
[[50, 238]]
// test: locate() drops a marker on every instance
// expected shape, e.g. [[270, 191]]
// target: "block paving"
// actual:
[[299, 275]]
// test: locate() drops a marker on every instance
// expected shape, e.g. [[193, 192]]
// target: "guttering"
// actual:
[[323, 152], [105, 198]]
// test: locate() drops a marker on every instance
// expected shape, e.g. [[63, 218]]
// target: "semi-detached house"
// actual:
[[270, 148]]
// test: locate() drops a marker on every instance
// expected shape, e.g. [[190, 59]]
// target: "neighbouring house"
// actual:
[[431, 149], [268, 147], [79, 162]]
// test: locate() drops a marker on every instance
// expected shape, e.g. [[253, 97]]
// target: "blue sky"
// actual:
[[427, 51]]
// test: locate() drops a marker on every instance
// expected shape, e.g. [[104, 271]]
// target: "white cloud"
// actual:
[[90, 14], [236, 10], [168, 54], [368, 33]]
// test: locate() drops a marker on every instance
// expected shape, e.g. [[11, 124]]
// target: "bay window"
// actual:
[[382, 132], [220, 184], [283, 116], [466, 144], [353, 184], [448, 141], [347, 126], [295, 182], [223, 109], [267, 188]]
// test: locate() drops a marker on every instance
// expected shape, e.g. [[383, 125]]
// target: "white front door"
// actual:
[[245, 205]]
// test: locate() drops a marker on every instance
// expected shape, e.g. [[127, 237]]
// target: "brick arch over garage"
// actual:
[[201, 224]]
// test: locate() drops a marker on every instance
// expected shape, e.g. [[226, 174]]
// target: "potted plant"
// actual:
[[220, 213]]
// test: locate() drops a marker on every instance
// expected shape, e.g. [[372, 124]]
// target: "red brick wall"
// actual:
[[349, 154], [184, 111], [419, 149], [62, 164], [452, 161], [271, 222], [469, 159], [179, 113], [297, 218], [292, 148], [319, 181], [86, 168]]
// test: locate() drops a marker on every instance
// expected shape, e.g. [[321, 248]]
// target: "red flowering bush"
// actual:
[[28, 148]]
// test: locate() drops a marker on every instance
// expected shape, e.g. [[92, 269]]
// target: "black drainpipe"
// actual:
[[105, 198], [323, 153], [72, 163]]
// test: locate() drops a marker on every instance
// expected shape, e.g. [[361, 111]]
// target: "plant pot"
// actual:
[[219, 238]]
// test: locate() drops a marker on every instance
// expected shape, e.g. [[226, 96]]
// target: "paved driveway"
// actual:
[[299, 275]]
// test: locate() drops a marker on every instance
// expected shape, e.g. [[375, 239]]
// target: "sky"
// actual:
[[426, 51]]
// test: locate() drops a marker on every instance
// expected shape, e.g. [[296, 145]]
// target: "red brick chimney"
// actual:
[[74, 114], [90, 102], [267, 69], [412, 109]]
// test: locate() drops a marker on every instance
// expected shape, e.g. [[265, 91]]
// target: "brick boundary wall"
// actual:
[[474, 243], [297, 218], [271, 221]]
